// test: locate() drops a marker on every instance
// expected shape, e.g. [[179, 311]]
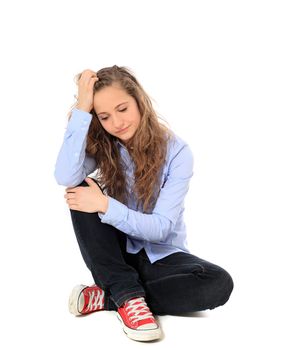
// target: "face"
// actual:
[[117, 111]]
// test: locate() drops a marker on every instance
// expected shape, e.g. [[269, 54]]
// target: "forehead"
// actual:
[[108, 98]]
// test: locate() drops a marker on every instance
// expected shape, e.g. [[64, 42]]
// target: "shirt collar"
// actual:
[[120, 144]]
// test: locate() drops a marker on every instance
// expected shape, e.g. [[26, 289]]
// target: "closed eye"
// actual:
[[122, 110]]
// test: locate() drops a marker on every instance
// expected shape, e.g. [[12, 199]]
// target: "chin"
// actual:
[[126, 138]]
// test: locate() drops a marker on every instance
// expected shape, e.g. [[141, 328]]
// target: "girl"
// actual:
[[128, 218]]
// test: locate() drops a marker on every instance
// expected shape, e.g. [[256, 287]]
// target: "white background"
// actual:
[[221, 74]]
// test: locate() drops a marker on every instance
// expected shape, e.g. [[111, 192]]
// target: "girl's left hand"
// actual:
[[89, 199]]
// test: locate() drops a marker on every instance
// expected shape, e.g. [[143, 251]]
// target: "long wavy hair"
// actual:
[[147, 148]]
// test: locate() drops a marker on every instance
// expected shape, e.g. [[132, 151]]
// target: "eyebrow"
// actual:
[[115, 107]]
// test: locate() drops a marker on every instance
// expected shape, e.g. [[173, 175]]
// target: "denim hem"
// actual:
[[129, 295], [108, 303]]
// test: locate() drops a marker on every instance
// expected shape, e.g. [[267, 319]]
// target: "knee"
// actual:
[[84, 183], [226, 280], [230, 283], [225, 286]]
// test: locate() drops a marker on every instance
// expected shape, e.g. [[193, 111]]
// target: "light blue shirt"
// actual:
[[161, 232]]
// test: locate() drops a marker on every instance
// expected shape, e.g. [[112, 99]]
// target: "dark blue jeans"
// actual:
[[176, 284]]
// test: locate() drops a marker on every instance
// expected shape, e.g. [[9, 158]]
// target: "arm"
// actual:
[[156, 227], [72, 164]]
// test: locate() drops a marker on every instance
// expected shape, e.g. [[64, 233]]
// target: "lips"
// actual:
[[122, 131]]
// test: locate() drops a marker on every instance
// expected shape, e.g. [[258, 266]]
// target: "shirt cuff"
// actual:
[[79, 120], [115, 214]]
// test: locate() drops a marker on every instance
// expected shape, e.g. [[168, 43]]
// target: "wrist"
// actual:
[[104, 205], [81, 108]]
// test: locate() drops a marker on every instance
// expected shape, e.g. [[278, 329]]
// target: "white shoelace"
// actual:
[[138, 306], [95, 300]]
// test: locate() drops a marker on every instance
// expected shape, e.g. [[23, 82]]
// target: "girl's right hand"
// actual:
[[86, 81]]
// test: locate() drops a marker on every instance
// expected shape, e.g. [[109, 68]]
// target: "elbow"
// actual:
[[58, 178], [61, 181], [66, 181], [166, 227]]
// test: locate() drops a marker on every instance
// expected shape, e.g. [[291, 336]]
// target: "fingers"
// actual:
[[69, 189], [86, 76], [69, 196], [70, 201], [86, 90], [90, 72]]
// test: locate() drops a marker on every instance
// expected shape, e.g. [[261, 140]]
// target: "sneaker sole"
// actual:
[[73, 299], [141, 334]]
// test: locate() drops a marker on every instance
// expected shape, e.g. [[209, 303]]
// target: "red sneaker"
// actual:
[[138, 321], [84, 300]]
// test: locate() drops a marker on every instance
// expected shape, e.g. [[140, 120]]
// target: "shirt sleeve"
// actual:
[[73, 165], [157, 226]]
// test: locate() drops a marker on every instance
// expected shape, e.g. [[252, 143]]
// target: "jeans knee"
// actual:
[[228, 282], [231, 284], [84, 183], [226, 286]]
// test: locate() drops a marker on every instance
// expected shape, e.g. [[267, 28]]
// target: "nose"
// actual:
[[118, 124]]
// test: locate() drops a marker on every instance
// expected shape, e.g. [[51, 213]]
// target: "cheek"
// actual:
[[105, 127], [137, 118]]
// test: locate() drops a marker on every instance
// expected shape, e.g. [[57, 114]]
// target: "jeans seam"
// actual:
[[169, 277]]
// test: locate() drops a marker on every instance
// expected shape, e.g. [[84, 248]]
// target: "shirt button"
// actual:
[[76, 154], [85, 122]]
